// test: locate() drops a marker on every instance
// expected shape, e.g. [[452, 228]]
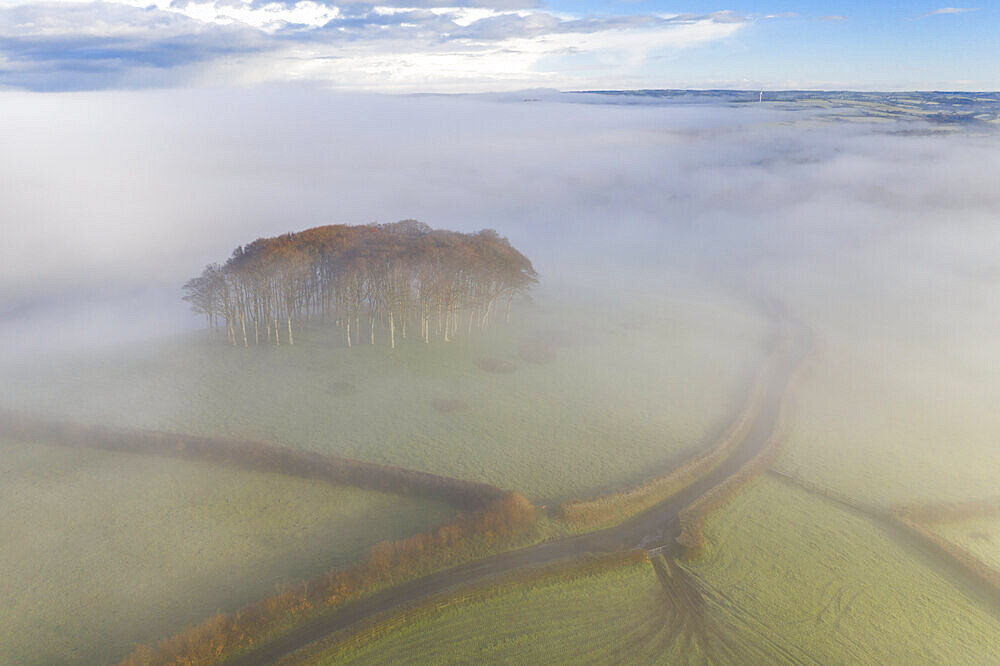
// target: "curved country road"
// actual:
[[656, 526]]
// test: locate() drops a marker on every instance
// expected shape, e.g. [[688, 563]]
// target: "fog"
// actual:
[[878, 232], [112, 200], [658, 230]]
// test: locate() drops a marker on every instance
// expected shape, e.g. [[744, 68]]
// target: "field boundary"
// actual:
[[947, 512], [499, 521], [252, 455], [832, 495], [507, 523], [965, 560], [692, 518], [383, 624], [913, 520]]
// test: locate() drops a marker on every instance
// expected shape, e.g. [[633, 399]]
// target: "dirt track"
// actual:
[[657, 527]]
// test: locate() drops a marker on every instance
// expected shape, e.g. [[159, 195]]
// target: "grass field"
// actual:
[[638, 389], [101, 550], [788, 568], [597, 619], [788, 578]]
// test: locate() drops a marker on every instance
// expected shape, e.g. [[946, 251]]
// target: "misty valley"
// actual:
[[636, 377]]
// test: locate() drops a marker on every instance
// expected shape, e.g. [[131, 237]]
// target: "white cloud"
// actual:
[[553, 59], [952, 10], [77, 44]]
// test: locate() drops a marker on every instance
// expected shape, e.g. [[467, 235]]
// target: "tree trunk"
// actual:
[[486, 315], [392, 331], [291, 340], [243, 323]]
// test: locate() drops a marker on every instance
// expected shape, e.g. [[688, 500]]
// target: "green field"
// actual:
[[639, 388], [788, 578], [596, 619], [102, 550], [980, 536], [788, 568]]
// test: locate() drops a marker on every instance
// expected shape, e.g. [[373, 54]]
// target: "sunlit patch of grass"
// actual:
[[798, 571], [609, 617], [102, 550], [788, 578]]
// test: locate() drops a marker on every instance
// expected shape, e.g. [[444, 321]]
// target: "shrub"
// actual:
[[446, 406], [497, 365]]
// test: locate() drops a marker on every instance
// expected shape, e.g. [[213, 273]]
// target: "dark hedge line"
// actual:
[[258, 456], [507, 522], [568, 570]]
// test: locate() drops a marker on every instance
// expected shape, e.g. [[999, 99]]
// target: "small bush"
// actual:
[[536, 351], [446, 406], [496, 365], [342, 388]]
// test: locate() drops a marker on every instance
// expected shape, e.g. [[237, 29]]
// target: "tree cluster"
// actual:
[[378, 281]]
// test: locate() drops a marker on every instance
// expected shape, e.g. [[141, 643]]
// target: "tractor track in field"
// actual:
[[654, 528]]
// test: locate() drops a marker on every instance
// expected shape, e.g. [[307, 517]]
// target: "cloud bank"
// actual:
[[357, 45]]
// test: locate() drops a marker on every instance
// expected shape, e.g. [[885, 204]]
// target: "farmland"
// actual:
[[656, 377], [787, 577], [799, 570], [194, 538], [980, 536], [539, 622], [543, 429], [105, 549]]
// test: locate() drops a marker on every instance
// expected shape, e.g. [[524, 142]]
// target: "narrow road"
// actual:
[[657, 526]]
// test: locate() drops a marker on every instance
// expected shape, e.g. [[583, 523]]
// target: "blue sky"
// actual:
[[482, 45]]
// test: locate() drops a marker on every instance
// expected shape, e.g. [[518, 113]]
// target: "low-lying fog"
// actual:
[[112, 200], [657, 231], [882, 231]]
